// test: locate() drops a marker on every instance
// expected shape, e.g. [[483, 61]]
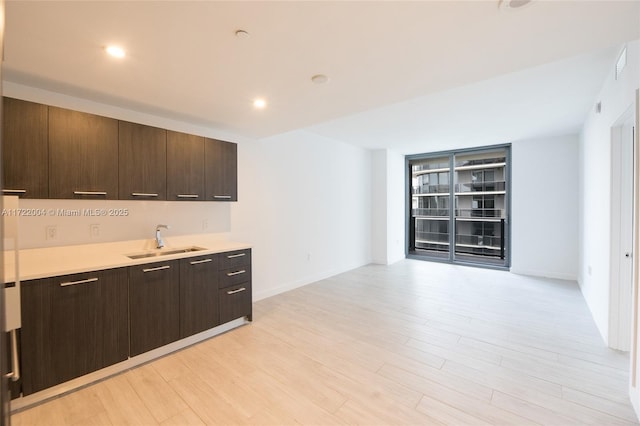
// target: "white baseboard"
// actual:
[[259, 295], [545, 274]]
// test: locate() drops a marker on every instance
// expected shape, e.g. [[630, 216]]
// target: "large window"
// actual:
[[475, 183]]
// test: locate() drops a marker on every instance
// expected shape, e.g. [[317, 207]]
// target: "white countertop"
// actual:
[[55, 261]]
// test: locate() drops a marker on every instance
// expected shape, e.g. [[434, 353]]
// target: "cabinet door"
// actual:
[[83, 155], [185, 167], [142, 162], [72, 325], [221, 170], [25, 152], [154, 298], [198, 294]]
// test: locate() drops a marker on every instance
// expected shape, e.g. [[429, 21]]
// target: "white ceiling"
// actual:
[[411, 76]]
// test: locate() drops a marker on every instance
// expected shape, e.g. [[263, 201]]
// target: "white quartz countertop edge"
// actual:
[[65, 260]]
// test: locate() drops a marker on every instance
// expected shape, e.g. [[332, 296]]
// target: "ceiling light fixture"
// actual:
[[319, 79], [259, 103], [115, 51], [514, 4]]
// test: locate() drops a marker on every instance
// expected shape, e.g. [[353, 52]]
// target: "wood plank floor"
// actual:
[[412, 343]]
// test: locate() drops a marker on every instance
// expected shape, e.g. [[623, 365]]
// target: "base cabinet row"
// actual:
[[76, 324]]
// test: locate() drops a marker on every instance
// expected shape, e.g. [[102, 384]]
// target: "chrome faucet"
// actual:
[[159, 241]]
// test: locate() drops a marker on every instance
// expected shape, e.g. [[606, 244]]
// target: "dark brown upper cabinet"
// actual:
[[142, 162], [83, 155], [25, 149], [185, 167], [221, 170]]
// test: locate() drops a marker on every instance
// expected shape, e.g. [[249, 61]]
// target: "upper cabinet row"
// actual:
[[50, 152]]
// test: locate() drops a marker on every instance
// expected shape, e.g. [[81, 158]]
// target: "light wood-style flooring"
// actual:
[[412, 343]]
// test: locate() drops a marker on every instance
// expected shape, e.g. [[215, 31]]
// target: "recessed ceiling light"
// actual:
[[319, 79], [115, 51], [514, 4], [259, 103]]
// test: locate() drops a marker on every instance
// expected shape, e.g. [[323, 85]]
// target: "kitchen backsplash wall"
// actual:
[[48, 223]]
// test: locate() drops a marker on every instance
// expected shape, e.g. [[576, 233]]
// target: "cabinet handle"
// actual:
[[15, 191], [68, 283], [222, 197], [232, 256], [89, 192], [159, 268], [15, 365], [197, 262], [231, 274], [188, 195], [143, 194], [236, 291]]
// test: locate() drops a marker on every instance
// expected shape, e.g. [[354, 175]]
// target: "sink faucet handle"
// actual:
[[162, 226]]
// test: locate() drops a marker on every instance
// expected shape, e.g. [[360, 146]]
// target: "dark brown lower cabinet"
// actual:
[[75, 324], [198, 294], [72, 325], [154, 305]]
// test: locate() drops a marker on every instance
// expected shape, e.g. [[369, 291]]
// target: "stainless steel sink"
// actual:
[[160, 252]]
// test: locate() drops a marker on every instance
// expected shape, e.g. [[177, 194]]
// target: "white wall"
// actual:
[[544, 226], [616, 96], [304, 203], [388, 201], [379, 207], [306, 208]]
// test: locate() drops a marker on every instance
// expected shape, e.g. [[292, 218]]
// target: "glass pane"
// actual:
[[480, 194], [430, 206]]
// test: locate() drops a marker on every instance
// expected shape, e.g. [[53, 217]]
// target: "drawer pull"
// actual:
[[232, 256], [15, 191], [231, 274], [236, 291], [68, 283], [197, 262], [143, 194], [159, 268], [222, 197], [188, 195], [89, 192]]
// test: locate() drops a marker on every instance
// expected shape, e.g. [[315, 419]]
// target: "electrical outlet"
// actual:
[[52, 232], [94, 230]]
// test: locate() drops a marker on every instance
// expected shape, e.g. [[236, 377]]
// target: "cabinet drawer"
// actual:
[[232, 276], [231, 259], [235, 302]]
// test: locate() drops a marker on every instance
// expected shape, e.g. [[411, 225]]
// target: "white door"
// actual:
[[622, 199]]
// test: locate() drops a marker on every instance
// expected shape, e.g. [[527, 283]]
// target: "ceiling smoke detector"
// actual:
[[514, 4], [319, 79], [242, 34]]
